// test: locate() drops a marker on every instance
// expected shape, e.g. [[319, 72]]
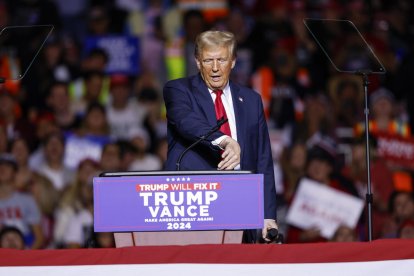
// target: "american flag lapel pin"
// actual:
[[240, 99]]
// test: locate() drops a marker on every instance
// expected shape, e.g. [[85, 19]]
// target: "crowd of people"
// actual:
[[68, 118]]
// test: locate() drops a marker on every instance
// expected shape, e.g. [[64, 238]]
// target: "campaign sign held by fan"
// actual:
[[318, 205], [123, 52]]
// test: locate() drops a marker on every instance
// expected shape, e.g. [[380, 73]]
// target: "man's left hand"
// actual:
[[268, 224]]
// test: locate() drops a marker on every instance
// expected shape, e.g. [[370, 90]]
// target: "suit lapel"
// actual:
[[204, 100], [206, 104], [239, 113]]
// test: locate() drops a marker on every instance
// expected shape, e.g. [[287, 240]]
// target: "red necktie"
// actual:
[[221, 112]]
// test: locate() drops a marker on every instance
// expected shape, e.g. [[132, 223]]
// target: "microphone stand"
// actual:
[[214, 129], [369, 197]]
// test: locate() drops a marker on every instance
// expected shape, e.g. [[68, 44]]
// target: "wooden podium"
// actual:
[[141, 235], [177, 238]]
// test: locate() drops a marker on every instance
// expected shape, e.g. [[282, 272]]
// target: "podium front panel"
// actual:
[[183, 202]]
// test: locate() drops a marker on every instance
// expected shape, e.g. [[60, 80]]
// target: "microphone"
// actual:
[[274, 236], [220, 122]]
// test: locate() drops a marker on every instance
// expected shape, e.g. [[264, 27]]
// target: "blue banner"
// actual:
[[123, 52]]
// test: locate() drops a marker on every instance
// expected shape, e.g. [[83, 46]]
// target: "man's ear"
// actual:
[[233, 63], [198, 63]]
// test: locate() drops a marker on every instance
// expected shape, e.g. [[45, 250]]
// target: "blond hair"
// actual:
[[210, 39]]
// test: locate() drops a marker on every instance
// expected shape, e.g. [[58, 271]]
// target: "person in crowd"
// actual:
[[80, 226], [316, 122], [3, 139], [193, 24], [88, 140], [73, 201], [282, 83], [272, 25], [320, 167], [18, 209], [293, 162], [194, 105], [155, 122], [19, 148], [11, 237], [58, 102], [102, 240], [72, 17], [53, 166], [400, 208], [403, 83], [94, 82], [406, 230], [124, 112], [111, 158], [238, 23], [162, 150], [382, 183], [45, 127], [347, 97], [384, 119], [179, 50], [143, 160], [47, 198], [50, 68], [345, 234], [146, 22], [12, 119], [99, 21], [95, 122]]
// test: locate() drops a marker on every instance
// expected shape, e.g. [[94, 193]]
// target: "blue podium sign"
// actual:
[[178, 202]]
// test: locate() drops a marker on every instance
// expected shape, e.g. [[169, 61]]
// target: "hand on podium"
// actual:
[[268, 224]]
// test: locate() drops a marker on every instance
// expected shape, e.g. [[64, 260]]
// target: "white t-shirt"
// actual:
[[122, 120], [80, 227], [148, 163], [19, 210]]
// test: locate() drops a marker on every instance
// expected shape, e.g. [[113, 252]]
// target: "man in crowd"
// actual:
[[17, 209]]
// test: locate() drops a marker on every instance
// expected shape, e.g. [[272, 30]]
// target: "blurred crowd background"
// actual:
[[79, 110]]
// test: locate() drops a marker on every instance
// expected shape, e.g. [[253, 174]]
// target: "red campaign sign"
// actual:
[[396, 149]]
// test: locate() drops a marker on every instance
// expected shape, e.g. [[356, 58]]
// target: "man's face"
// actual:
[[215, 65], [7, 173]]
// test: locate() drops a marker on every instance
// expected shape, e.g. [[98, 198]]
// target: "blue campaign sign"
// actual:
[[178, 202], [123, 52]]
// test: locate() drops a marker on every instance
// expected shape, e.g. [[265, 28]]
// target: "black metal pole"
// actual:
[[369, 197]]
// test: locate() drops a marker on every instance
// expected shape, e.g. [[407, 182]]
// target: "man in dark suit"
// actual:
[[194, 105]]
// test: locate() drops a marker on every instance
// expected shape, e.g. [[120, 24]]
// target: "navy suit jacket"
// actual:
[[191, 114]]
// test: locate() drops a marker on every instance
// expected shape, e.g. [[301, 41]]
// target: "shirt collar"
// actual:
[[226, 90]]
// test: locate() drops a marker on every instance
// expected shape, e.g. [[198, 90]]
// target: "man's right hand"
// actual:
[[230, 155]]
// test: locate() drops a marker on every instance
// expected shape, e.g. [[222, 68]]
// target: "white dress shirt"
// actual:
[[227, 100]]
